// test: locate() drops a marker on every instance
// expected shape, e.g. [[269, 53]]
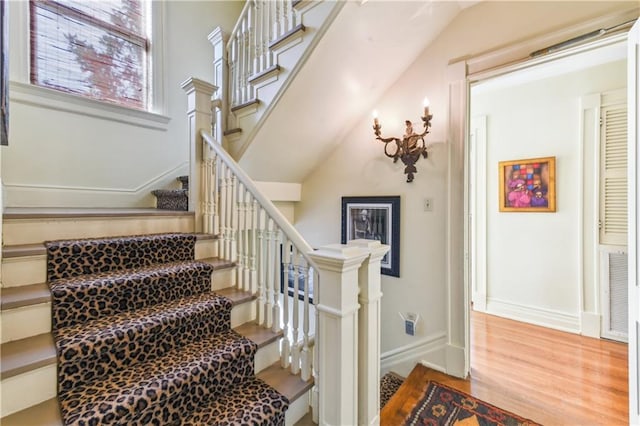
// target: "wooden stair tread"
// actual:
[[281, 379], [26, 295], [259, 335], [53, 212], [46, 413], [218, 263], [27, 354], [236, 295]]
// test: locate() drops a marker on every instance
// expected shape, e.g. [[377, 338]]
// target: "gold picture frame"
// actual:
[[528, 185]]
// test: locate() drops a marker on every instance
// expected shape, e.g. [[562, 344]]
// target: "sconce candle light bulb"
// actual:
[[411, 147]]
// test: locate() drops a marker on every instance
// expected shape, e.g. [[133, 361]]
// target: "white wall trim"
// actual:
[[478, 153], [430, 350], [516, 56], [149, 183], [43, 97], [530, 314]]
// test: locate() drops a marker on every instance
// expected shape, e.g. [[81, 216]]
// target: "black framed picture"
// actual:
[[374, 218]]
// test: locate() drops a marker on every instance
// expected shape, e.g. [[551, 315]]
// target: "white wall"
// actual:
[[62, 158], [359, 167], [534, 260]]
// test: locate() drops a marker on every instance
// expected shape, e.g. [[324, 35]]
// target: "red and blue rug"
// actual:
[[443, 406]]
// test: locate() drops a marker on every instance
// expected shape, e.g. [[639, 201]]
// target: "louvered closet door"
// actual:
[[613, 178], [613, 217]]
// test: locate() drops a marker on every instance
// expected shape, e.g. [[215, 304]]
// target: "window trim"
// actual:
[[22, 91]]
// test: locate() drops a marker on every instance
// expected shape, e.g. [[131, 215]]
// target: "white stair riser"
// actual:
[[31, 231], [243, 313], [206, 249], [27, 321], [297, 409], [25, 270], [223, 278], [28, 389], [267, 355]]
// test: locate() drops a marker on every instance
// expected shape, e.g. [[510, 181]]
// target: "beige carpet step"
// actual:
[[39, 353], [25, 264], [34, 225]]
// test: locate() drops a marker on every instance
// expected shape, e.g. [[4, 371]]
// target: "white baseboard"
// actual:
[[590, 324], [534, 315], [430, 351]]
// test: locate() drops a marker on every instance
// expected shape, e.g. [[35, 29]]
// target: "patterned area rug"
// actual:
[[443, 406], [389, 384]]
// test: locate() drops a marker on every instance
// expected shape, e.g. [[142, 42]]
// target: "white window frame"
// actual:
[[22, 91]]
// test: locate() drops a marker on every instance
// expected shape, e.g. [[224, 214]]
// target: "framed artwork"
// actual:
[[528, 185], [374, 218]]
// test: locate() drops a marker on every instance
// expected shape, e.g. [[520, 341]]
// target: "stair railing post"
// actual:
[[369, 323], [337, 332], [199, 118], [219, 39]]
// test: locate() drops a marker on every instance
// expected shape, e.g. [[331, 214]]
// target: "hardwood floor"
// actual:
[[548, 376]]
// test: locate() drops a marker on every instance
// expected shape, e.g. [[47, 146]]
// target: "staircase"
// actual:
[[133, 328]]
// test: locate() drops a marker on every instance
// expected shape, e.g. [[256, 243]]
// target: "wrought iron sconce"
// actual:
[[410, 147]]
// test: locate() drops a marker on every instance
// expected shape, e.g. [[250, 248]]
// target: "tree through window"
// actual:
[[98, 49]]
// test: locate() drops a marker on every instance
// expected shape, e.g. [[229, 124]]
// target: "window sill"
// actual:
[[29, 94]]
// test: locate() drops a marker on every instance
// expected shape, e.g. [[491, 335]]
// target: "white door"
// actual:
[[633, 87]]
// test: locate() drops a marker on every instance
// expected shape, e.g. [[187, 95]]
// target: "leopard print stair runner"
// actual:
[[141, 339]]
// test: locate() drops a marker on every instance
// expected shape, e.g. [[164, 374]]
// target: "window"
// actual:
[[97, 49]]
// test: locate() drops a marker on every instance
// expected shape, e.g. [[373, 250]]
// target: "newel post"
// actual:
[[199, 116], [369, 331], [337, 332], [218, 39]]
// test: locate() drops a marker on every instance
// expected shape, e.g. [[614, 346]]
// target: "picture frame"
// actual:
[[527, 185], [374, 218]]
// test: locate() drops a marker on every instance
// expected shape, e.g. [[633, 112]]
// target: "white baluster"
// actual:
[[204, 182], [288, 14], [295, 323], [239, 236], [253, 286], [215, 206], [267, 31], [234, 217], [270, 273], [222, 245], [285, 343], [262, 257], [228, 237], [246, 262], [305, 355], [277, 309]]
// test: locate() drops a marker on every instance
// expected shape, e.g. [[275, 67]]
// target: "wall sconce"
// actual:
[[410, 147]]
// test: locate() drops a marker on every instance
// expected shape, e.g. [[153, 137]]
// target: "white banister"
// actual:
[[337, 335], [369, 322]]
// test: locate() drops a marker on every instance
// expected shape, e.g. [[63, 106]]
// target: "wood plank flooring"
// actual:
[[548, 376]]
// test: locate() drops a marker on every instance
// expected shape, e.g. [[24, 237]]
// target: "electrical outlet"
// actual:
[[428, 204]]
